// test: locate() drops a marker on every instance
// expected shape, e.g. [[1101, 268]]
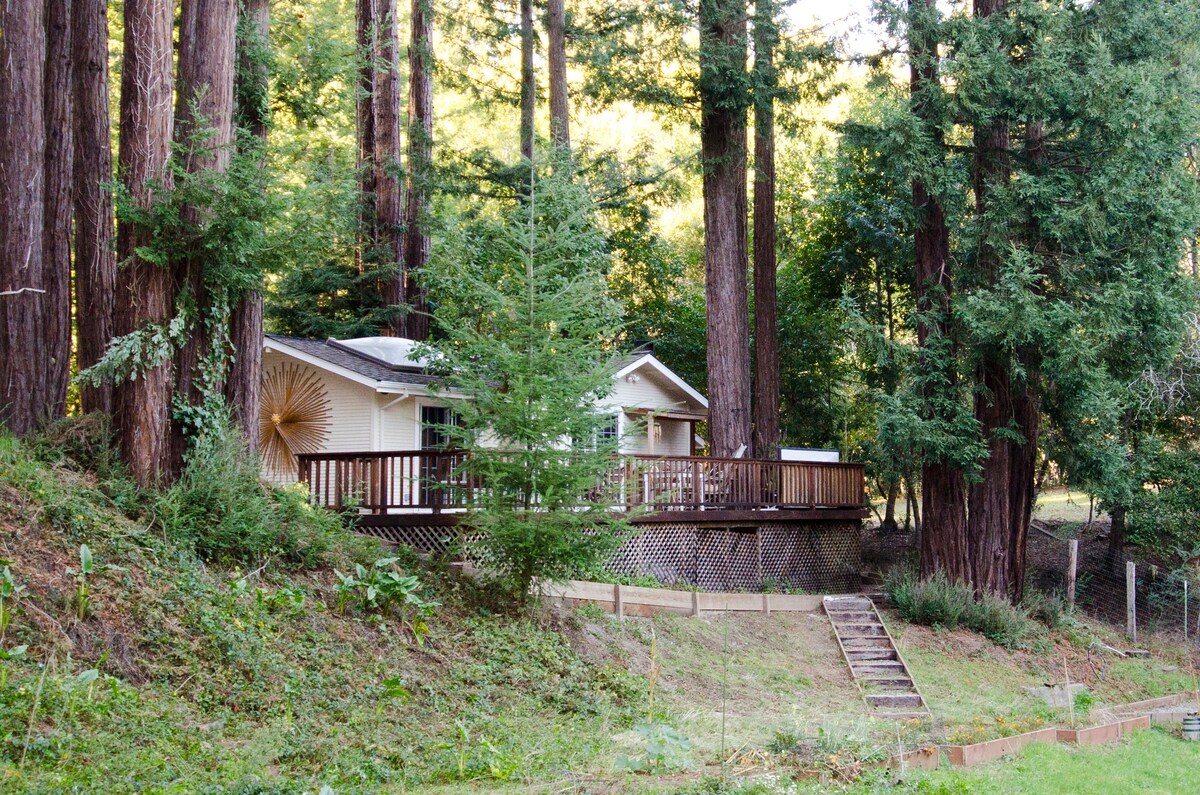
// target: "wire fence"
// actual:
[[1132, 592]]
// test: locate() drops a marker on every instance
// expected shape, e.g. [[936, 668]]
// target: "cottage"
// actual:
[[357, 423]]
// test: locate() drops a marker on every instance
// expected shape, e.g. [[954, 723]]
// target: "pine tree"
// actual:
[[528, 328]]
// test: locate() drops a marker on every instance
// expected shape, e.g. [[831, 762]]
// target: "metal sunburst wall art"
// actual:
[[293, 416]]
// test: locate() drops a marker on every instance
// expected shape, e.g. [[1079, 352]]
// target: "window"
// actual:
[[434, 420], [609, 430]]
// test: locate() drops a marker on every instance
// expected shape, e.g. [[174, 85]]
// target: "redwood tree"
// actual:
[[24, 362], [724, 93], [246, 321], [766, 334], [144, 294], [990, 511], [556, 49], [528, 80], [420, 150], [943, 547], [56, 234], [95, 260], [207, 35], [388, 242]]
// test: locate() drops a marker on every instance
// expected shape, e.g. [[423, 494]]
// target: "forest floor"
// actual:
[[184, 677]]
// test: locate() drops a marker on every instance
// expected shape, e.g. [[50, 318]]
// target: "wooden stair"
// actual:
[[875, 663]]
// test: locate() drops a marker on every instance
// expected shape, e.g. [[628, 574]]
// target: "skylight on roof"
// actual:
[[393, 351]]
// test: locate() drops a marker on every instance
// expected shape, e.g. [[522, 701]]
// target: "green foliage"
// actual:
[[219, 508], [665, 750], [527, 331], [381, 588], [937, 602]]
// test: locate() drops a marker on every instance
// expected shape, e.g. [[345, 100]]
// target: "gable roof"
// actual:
[[640, 360], [344, 360], [354, 362]]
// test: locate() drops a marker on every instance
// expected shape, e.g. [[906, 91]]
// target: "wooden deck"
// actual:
[[436, 485]]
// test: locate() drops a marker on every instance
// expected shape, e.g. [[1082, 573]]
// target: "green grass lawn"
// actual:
[[1151, 762]]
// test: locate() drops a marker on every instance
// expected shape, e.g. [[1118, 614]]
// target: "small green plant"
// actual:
[[83, 598], [665, 750], [380, 588], [10, 593]]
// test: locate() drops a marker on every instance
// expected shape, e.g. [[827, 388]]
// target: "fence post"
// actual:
[[618, 602], [1185, 611], [1131, 600], [1072, 565]]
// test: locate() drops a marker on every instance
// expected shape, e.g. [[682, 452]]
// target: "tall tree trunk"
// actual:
[[389, 201], [364, 112], [528, 80], [420, 154], [95, 260], [246, 322], [556, 49], [144, 293], [1116, 541], [56, 237], [943, 547], [24, 360], [766, 333], [207, 39], [988, 529], [723, 155], [1027, 412]]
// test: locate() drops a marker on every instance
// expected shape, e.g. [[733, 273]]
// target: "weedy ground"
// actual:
[[186, 676]]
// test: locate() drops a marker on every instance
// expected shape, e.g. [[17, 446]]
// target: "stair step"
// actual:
[[866, 643], [858, 655], [835, 603], [888, 684], [877, 667], [893, 699], [907, 715], [861, 630], [854, 616]]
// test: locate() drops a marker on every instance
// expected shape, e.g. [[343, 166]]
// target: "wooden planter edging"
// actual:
[[930, 758], [631, 600]]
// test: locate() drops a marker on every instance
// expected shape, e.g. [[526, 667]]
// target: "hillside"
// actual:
[[180, 675]]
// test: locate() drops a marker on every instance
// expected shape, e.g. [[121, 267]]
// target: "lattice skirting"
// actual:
[[435, 540], [816, 557]]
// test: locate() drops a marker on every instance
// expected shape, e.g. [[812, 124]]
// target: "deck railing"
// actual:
[[436, 481]]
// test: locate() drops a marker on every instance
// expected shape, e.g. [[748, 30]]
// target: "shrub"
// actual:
[[221, 509], [1048, 608], [937, 602]]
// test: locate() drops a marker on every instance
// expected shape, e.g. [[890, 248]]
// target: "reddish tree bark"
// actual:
[[943, 548], [990, 512], [766, 333], [23, 353], [1027, 412], [365, 123], [56, 234], [246, 323], [420, 153], [144, 292], [556, 50], [95, 259], [723, 155], [528, 80], [389, 200], [207, 37]]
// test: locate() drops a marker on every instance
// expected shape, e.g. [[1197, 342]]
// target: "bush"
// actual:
[[1048, 608], [937, 602], [221, 509]]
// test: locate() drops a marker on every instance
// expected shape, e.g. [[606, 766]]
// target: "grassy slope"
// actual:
[[211, 687]]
